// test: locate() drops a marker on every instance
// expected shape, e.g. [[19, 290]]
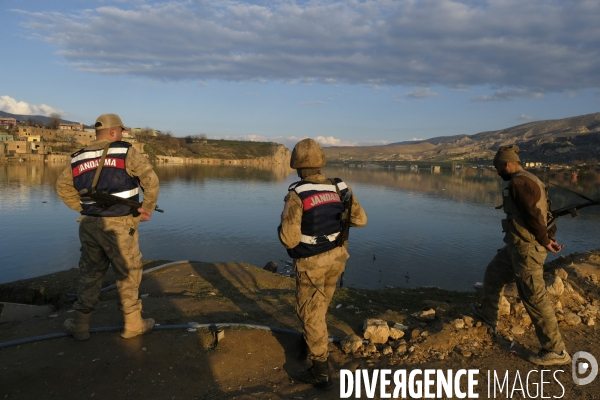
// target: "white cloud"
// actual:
[[539, 45], [415, 139], [510, 94], [10, 105], [329, 141], [422, 93], [290, 141], [524, 117]]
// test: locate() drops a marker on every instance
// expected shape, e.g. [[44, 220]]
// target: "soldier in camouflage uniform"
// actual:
[[310, 223], [528, 240], [109, 234]]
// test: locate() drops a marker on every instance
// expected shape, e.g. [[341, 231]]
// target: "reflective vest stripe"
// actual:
[[98, 153], [315, 186], [124, 195], [313, 239], [127, 193]]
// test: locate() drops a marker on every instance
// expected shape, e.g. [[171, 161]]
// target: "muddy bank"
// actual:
[[185, 364]]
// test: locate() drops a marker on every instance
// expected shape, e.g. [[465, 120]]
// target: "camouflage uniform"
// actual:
[[316, 276], [522, 261], [110, 240], [528, 239]]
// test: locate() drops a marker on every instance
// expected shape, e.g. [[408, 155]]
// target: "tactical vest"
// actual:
[[114, 178], [321, 216], [514, 224]]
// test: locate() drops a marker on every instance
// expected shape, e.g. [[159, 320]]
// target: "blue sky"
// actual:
[[342, 72]]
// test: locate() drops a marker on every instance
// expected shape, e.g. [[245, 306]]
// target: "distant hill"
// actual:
[[42, 119], [551, 141]]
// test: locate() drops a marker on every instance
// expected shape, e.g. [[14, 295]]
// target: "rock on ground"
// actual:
[[376, 331], [351, 344]]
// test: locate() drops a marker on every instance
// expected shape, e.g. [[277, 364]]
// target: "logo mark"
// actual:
[[582, 367]]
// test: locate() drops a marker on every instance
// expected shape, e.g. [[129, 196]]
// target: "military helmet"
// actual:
[[307, 154]]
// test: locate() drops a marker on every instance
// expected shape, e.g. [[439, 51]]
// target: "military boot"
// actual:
[[78, 327], [318, 375], [135, 325], [549, 358], [492, 326]]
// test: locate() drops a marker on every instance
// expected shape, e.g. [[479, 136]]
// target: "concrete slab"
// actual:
[[10, 312]]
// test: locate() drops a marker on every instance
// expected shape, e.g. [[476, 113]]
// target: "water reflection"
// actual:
[[425, 229]]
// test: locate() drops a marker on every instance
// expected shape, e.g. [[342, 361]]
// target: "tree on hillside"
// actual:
[[54, 121]]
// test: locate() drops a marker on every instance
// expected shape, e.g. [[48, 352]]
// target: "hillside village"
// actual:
[[54, 142], [22, 140]]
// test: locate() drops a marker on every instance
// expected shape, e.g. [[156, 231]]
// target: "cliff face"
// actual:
[[280, 156]]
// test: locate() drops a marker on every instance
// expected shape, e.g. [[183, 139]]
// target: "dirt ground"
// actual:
[[251, 363]]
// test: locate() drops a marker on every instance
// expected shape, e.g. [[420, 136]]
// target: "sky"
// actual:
[[341, 72]]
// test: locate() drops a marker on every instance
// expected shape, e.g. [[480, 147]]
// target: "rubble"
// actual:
[[396, 333], [459, 323], [555, 286], [439, 331], [504, 306], [572, 319], [351, 344], [426, 315], [271, 266], [376, 331]]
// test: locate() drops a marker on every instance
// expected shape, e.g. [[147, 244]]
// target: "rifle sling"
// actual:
[[337, 189], [100, 165]]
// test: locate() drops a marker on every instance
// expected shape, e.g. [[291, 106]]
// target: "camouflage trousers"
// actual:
[[523, 263], [104, 241], [316, 279]]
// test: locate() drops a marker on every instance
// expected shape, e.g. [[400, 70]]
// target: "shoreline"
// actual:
[[251, 363]]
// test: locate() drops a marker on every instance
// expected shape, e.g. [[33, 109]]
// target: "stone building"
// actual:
[[18, 147], [47, 134], [7, 122], [70, 127]]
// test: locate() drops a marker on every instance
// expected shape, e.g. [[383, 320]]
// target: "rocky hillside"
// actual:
[[556, 141]]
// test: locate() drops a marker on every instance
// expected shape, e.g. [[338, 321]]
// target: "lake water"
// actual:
[[424, 229]]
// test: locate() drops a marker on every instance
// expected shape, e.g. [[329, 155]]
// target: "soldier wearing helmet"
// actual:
[[310, 227], [528, 240]]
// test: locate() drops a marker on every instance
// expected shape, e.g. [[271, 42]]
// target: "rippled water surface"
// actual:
[[424, 229]]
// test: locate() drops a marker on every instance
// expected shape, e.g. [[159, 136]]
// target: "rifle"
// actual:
[[104, 199], [345, 217], [571, 209]]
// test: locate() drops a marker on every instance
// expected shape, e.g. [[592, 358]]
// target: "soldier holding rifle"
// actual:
[[528, 241], [108, 228]]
